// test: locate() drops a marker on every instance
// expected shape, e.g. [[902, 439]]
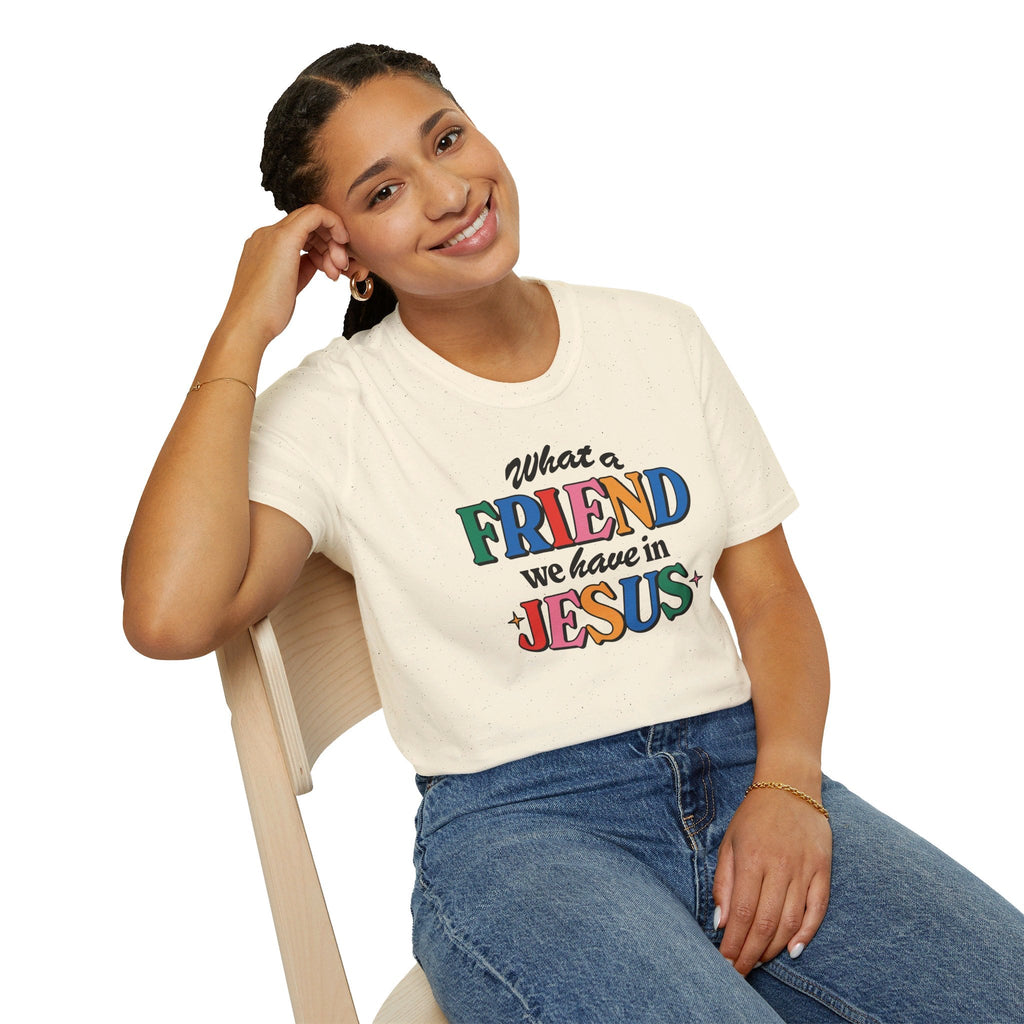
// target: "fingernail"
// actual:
[[760, 963], [796, 950], [717, 919]]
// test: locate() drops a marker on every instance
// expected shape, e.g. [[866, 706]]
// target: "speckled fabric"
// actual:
[[533, 560]]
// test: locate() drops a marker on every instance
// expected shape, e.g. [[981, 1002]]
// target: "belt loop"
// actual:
[[663, 736]]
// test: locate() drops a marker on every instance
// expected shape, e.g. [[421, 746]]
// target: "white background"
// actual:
[[834, 188]]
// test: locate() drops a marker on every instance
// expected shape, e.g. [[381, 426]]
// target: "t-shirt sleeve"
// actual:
[[757, 494], [286, 468]]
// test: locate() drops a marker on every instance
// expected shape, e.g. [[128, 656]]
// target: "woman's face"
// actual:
[[428, 202]]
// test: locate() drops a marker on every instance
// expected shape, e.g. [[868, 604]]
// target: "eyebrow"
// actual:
[[385, 162]]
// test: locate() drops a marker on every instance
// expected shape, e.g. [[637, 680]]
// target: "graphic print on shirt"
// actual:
[[588, 596]]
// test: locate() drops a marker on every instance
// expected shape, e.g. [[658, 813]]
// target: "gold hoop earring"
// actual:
[[360, 295]]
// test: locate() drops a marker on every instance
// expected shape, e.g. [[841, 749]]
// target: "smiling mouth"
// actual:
[[468, 232]]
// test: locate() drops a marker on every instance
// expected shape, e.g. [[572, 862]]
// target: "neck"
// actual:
[[507, 332]]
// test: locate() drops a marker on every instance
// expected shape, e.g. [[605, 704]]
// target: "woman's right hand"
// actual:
[[277, 262]]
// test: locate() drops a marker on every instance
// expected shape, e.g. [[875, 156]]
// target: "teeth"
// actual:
[[470, 231]]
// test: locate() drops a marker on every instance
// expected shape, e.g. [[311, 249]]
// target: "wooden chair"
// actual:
[[294, 682]]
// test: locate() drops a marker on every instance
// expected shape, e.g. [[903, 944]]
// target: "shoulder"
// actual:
[[641, 309], [643, 322], [324, 379]]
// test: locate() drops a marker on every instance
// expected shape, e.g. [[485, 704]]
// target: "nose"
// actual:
[[445, 192]]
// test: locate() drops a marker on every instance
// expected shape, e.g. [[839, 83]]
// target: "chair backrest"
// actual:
[[294, 682], [312, 654]]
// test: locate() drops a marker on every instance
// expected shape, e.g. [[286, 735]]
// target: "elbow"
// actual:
[[166, 637]]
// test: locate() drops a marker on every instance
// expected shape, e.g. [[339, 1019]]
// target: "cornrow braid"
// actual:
[[292, 170]]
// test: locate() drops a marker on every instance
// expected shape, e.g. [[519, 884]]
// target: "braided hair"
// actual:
[[292, 170]]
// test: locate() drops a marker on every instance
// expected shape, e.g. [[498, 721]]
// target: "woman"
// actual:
[[533, 485]]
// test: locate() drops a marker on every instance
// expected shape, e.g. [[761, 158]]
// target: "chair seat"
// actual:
[[411, 1002]]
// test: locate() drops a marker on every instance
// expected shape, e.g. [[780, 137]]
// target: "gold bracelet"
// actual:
[[198, 384], [789, 789]]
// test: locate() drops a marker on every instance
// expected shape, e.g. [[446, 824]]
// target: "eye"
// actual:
[[382, 195], [448, 140]]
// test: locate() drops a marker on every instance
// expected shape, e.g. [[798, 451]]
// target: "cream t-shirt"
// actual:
[[533, 560]]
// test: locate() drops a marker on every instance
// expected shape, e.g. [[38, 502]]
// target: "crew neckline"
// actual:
[[548, 385]]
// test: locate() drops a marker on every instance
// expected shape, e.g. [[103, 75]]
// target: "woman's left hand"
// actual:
[[773, 876]]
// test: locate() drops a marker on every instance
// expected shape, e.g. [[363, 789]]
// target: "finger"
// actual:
[[814, 914], [764, 925], [790, 920], [337, 229], [314, 243], [338, 254], [744, 904], [327, 221], [307, 268], [721, 891], [334, 253], [316, 219], [324, 263]]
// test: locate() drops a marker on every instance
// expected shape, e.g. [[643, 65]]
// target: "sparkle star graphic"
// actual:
[[515, 620], [696, 578]]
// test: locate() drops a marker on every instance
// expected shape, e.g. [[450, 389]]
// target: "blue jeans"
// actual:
[[575, 886]]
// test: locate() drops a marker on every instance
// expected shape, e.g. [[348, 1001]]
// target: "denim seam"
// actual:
[[702, 896], [827, 998], [677, 782], [709, 796], [650, 741], [477, 956]]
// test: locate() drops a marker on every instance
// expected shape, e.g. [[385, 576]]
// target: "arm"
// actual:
[[772, 881], [200, 562]]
